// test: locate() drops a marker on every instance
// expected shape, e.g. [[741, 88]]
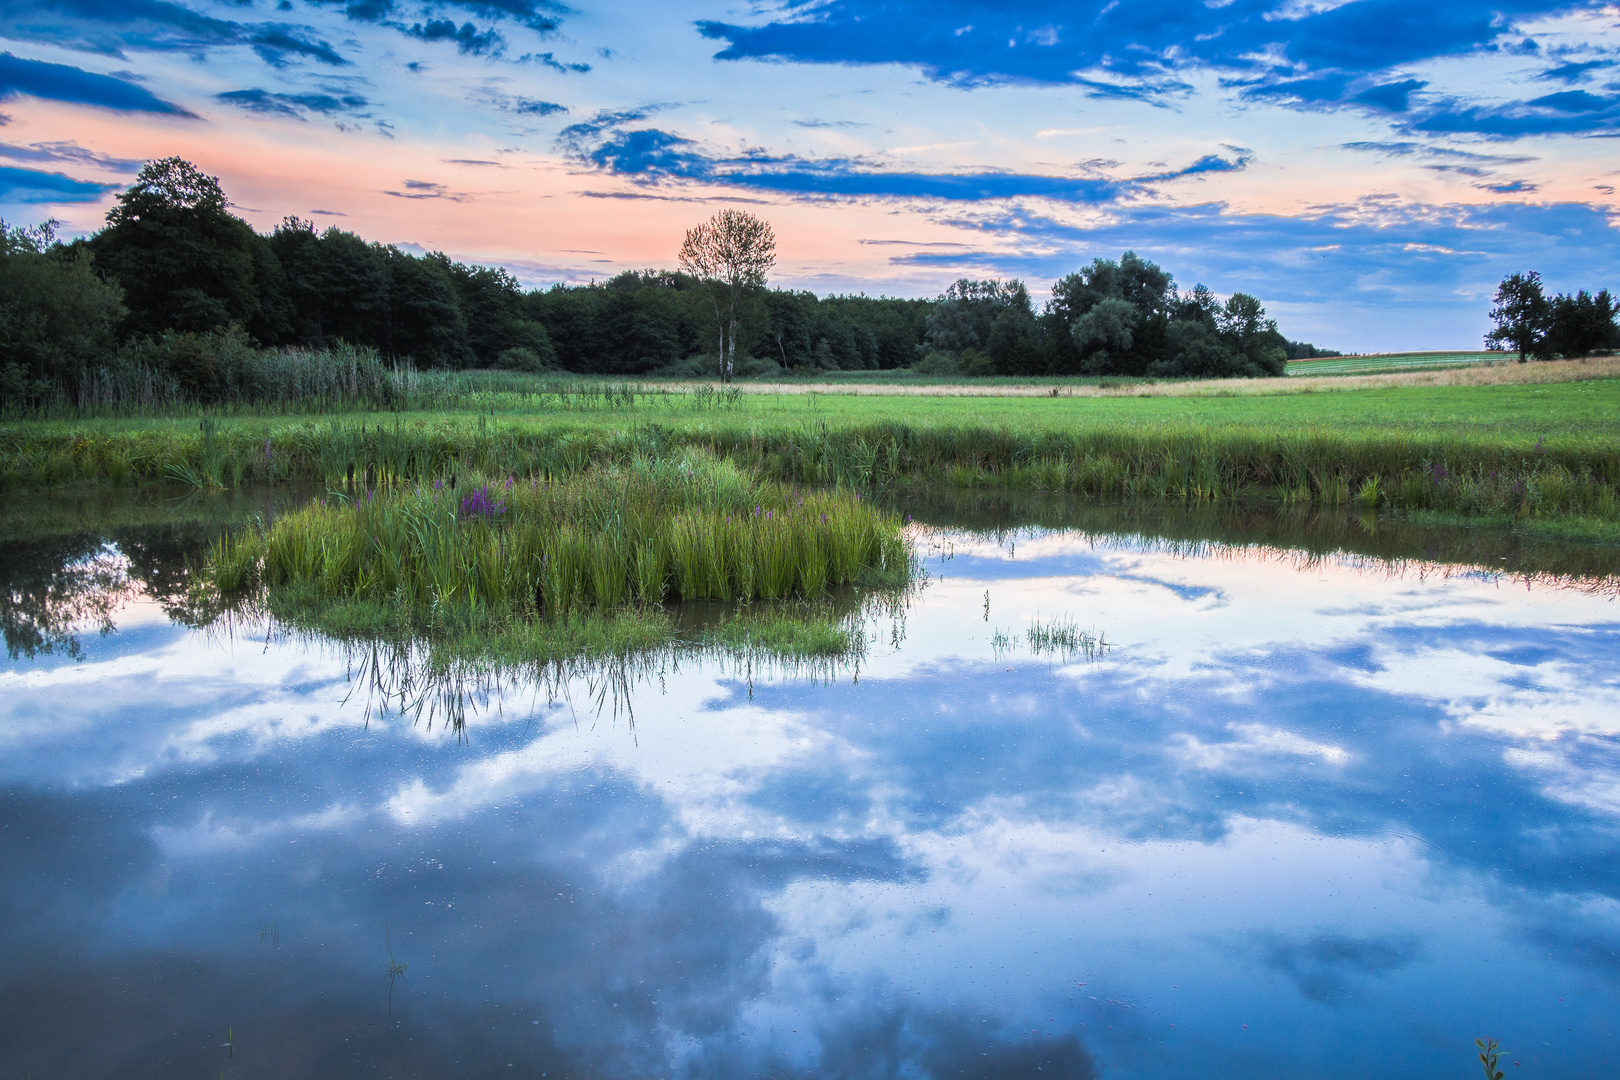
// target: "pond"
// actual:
[[1336, 797]]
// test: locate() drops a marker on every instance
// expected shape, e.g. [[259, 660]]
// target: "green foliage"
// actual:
[[57, 318], [1582, 324], [682, 525], [183, 260], [1489, 1051], [1522, 315]]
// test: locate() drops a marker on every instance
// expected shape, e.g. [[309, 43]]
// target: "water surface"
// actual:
[[1311, 815]]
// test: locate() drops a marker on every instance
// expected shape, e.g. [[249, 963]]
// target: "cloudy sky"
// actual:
[[1368, 168]]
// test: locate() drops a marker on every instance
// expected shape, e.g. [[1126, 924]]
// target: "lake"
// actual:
[[1336, 797]]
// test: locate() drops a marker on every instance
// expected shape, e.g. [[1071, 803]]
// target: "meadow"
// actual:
[[1545, 454]]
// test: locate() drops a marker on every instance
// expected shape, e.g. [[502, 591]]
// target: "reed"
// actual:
[[691, 527], [1462, 472]]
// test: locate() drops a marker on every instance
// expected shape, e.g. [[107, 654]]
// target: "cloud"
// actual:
[[651, 155], [1322, 965], [546, 59], [293, 105], [1568, 112], [1427, 152], [540, 16], [61, 82], [111, 26], [29, 186], [424, 189], [1574, 72], [67, 151], [1138, 46], [468, 38], [275, 43]]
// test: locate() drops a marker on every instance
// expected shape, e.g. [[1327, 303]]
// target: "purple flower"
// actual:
[[478, 504]]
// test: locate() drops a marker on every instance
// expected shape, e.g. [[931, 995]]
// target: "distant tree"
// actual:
[[732, 252], [1582, 324], [1522, 315], [967, 317], [182, 259], [1304, 350]]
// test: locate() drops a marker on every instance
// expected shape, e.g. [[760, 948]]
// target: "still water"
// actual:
[[1309, 815]]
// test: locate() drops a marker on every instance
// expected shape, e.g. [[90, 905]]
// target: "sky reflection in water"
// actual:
[[1303, 820]]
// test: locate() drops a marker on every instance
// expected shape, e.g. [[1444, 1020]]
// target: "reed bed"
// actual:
[[1463, 473], [687, 527]]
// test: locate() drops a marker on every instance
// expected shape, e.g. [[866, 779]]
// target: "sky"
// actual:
[[1370, 169]]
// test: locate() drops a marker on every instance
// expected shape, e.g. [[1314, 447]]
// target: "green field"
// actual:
[[1546, 454], [1389, 363]]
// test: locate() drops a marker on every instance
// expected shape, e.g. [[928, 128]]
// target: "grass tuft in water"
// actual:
[[689, 527]]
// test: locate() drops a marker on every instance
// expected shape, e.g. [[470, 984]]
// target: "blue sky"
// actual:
[[1370, 169]]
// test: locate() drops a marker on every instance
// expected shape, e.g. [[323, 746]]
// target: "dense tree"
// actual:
[[186, 267], [57, 318], [183, 260], [1582, 324], [1522, 315]]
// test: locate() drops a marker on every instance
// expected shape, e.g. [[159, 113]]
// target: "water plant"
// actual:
[[1489, 1051], [687, 527]]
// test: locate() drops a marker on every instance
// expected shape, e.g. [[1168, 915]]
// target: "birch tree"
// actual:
[[731, 252]]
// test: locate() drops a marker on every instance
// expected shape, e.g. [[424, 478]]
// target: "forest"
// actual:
[[176, 287]]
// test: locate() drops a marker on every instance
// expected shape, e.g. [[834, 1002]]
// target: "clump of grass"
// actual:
[[688, 527], [800, 633], [1062, 637]]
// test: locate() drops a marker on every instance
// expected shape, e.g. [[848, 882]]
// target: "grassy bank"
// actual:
[[1532, 453]]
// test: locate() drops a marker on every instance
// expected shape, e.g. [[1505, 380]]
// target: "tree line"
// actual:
[[174, 270], [1566, 325]]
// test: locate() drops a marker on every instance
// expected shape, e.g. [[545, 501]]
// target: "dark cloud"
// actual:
[[468, 38], [425, 189], [546, 59], [540, 16], [275, 44], [1574, 72], [61, 82], [1351, 55], [114, 26], [650, 155], [1510, 187], [1568, 112], [111, 26], [67, 151], [1323, 965], [294, 105], [1136, 44]]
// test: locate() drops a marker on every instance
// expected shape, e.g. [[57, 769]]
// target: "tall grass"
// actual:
[[1468, 474], [686, 526]]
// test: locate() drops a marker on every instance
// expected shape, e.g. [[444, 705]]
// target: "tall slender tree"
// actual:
[[731, 253]]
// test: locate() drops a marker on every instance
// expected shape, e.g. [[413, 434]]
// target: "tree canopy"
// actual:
[[173, 259]]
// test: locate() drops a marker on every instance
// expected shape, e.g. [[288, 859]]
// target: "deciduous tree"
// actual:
[[732, 252]]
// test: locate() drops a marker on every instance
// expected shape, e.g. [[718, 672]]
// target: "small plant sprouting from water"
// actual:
[[1062, 637], [1489, 1051], [395, 970]]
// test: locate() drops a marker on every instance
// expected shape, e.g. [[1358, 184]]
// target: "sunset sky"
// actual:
[[1369, 168]]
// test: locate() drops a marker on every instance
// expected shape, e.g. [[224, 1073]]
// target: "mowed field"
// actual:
[[1384, 363], [1584, 407]]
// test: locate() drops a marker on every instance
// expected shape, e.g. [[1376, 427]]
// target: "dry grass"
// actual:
[[1499, 373]]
